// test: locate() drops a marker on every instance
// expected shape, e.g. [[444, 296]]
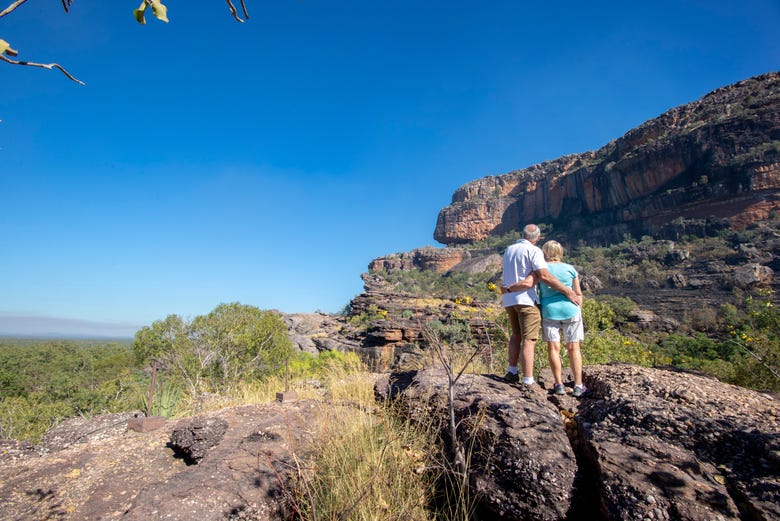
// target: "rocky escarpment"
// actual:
[[718, 156], [645, 444], [662, 277]]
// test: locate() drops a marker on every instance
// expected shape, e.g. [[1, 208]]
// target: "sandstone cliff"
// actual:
[[718, 156]]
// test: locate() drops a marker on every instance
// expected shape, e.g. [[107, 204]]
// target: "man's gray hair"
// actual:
[[531, 232]]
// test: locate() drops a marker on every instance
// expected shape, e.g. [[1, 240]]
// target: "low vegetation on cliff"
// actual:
[[638, 301]]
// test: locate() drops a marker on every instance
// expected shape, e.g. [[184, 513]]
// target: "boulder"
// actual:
[[674, 445], [440, 260], [642, 316], [676, 256], [642, 444], [591, 283], [315, 332], [521, 463], [677, 280], [753, 253], [751, 274], [193, 438]]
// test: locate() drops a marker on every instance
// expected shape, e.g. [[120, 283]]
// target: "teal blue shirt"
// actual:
[[555, 305]]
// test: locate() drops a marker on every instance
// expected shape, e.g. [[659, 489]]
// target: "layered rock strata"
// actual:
[[718, 156], [440, 260]]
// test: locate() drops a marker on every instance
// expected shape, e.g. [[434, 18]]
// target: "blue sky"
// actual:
[[267, 163]]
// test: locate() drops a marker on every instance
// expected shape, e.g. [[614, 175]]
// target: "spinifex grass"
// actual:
[[331, 376], [366, 466]]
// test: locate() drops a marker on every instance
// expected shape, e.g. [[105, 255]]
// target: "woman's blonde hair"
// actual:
[[553, 251]]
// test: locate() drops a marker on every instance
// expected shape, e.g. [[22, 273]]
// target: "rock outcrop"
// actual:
[[673, 445], [711, 167], [117, 473], [439, 260], [718, 156], [193, 439], [316, 332], [78, 429], [521, 462], [644, 444]]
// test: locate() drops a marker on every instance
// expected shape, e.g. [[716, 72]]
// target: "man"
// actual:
[[524, 265]]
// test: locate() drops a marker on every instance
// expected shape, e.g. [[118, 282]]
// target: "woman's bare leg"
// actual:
[[575, 360], [554, 356]]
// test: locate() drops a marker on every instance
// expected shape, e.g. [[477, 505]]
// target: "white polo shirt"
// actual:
[[520, 259]]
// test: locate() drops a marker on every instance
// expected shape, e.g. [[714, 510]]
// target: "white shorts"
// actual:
[[573, 330]]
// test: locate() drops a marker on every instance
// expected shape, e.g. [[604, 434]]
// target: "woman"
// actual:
[[559, 313]]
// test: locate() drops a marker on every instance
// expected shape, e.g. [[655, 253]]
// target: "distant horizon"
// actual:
[[47, 327], [55, 336]]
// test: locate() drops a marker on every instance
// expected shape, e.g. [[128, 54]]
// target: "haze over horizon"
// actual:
[[267, 163]]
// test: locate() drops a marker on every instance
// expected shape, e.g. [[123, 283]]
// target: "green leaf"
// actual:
[[139, 14], [160, 11], [5, 48]]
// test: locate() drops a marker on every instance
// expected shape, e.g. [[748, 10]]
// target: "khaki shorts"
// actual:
[[525, 321]]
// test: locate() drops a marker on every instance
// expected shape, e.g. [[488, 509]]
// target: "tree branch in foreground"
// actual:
[[235, 13], [11, 7], [49, 66], [158, 8]]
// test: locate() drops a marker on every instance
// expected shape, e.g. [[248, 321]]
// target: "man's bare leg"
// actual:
[[513, 350], [528, 358]]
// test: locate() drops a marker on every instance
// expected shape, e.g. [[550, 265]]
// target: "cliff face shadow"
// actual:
[[399, 382]]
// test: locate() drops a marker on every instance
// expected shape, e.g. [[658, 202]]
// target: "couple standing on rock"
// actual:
[[525, 267]]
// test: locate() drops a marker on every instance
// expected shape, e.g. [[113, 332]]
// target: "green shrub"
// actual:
[[746, 352], [756, 367], [598, 315], [691, 352], [607, 346], [231, 343], [496, 243], [622, 307], [456, 332], [754, 336]]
